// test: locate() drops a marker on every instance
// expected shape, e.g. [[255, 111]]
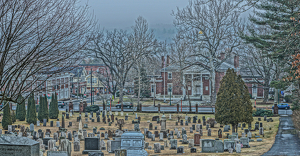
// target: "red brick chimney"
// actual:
[[168, 60], [162, 60], [236, 61]]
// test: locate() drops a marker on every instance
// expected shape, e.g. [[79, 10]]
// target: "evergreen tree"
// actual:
[[13, 117], [145, 84], [233, 102], [31, 110], [21, 111], [6, 120], [41, 109], [53, 111], [276, 15], [46, 111]]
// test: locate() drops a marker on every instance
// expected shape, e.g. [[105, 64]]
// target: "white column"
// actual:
[[192, 87], [201, 88]]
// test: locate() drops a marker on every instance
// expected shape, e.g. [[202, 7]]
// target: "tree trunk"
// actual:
[[213, 80], [233, 128], [266, 94], [121, 97], [139, 93]]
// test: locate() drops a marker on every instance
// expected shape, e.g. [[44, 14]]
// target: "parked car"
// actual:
[[125, 105], [282, 106], [61, 104]]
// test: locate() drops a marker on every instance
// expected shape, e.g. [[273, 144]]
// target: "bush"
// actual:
[[250, 96], [6, 120], [262, 112], [92, 108], [211, 122], [288, 98]]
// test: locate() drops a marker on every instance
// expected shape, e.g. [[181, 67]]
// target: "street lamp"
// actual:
[[170, 90]]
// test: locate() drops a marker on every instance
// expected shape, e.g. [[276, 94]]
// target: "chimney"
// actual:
[[236, 61], [168, 60], [162, 60], [222, 56]]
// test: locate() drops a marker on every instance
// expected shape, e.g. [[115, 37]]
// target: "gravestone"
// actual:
[[265, 118], [57, 153], [102, 145], [113, 145], [261, 131], [31, 127], [13, 146], [161, 136], [238, 148], [220, 133], [245, 142], [45, 142], [181, 122], [207, 126], [199, 120], [198, 128], [226, 128], [194, 150], [249, 135], [91, 145], [166, 143], [209, 132], [184, 139], [154, 118], [157, 148], [211, 146], [261, 124], [57, 124], [191, 143], [44, 122], [201, 132], [229, 144], [180, 149], [197, 138], [37, 124], [133, 142], [150, 126], [194, 119], [191, 129], [173, 144]]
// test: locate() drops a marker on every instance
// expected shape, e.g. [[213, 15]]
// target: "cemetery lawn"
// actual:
[[257, 148]]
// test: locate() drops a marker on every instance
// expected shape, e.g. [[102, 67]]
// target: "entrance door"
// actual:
[[198, 90]]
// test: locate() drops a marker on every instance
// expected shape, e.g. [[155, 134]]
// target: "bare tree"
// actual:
[[120, 50], [35, 37], [218, 24]]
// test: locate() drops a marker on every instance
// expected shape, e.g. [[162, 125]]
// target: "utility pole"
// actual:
[[77, 82], [91, 88]]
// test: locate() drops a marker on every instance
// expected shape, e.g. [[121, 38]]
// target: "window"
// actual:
[[254, 89], [169, 75], [206, 87], [206, 78], [152, 88]]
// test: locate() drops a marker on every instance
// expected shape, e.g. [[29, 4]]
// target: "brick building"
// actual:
[[196, 79]]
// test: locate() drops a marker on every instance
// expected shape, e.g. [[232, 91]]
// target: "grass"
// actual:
[[257, 148]]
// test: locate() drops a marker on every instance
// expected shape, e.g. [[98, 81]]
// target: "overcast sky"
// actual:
[[122, 13]]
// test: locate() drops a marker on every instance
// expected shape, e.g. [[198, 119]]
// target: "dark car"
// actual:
[[125, 105], [61, 104], [282, 106]]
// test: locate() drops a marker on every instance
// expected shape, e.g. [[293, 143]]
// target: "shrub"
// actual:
[[250, 96], [211, 122], [262, 112], [21, 111], [6, 120], [92, 108], [13, 117], [288, 98]]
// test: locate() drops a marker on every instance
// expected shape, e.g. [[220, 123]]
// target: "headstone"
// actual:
[[157, 148], [38, 123], [245, 142], [180, 149], [44, 122], [161, 136], [191, 143], [249, 135], [173, 144], [91, 145], [226, 128], [238, 148], [66, 146], [194, 150], [259, 140], [55, 136], [229, 144], [261, 124], [14, 145], [261, 131], [191, 129], [150, 126], [220, 133], [201, 132], [265, 118], [198, 128], [57, 124], [211, 146], [197, 138], [31, 127], [166, 143], [209, 132], [184, 139], [102, 145], [134, 143]]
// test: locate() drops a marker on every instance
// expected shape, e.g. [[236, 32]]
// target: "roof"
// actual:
[[15, 140], [76, 71], [98, 65]]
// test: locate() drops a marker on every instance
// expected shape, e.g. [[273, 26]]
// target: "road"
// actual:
[[286, 142]]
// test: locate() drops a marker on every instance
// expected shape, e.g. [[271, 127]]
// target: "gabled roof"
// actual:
[[77, 71]]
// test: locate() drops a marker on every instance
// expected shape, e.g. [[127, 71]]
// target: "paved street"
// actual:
[[286, 142]]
